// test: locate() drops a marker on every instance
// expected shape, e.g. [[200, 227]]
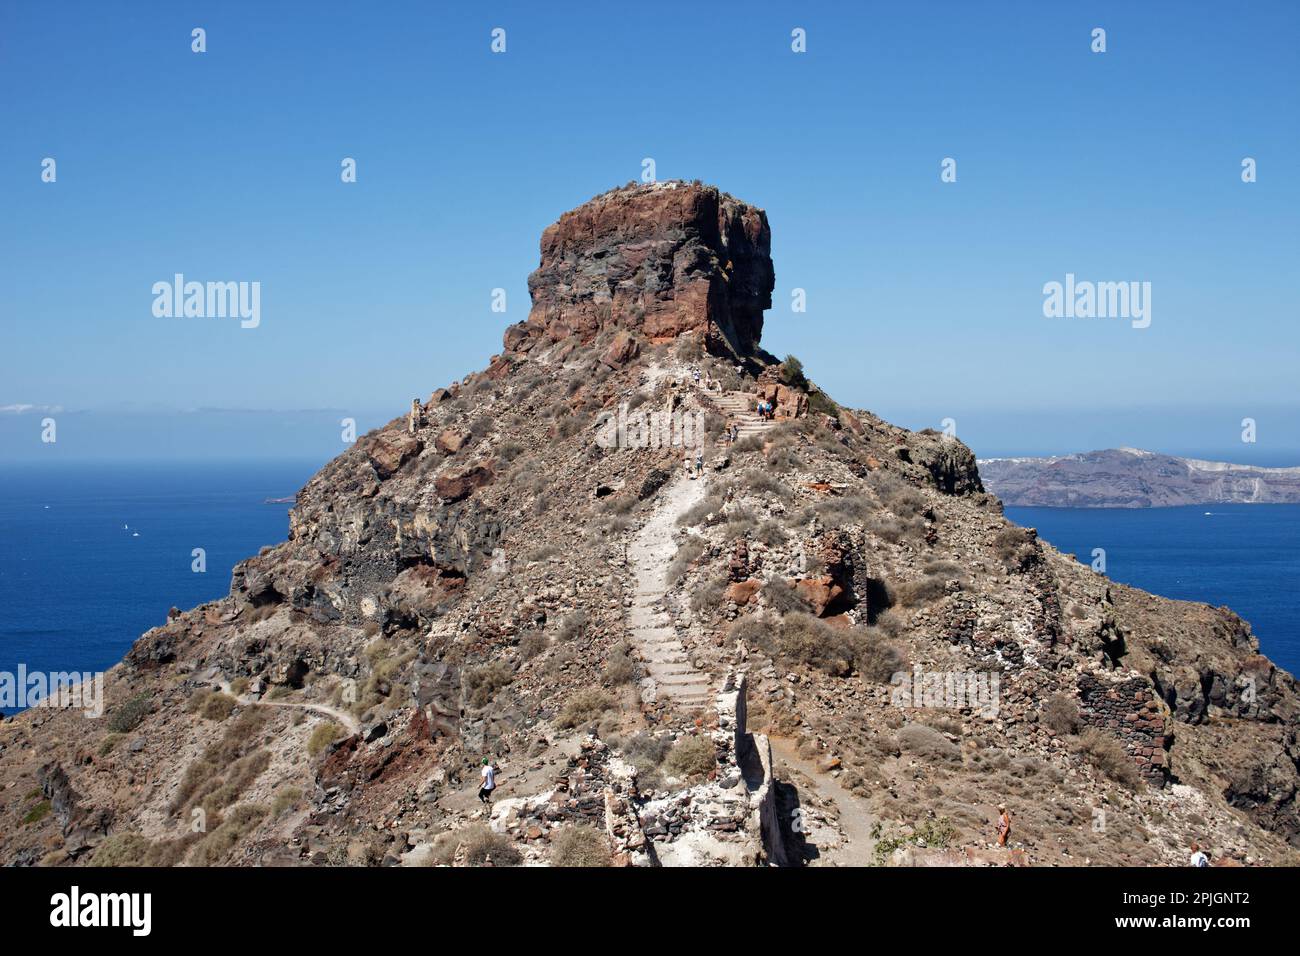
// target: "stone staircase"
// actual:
[[670, 675], [741, 407]]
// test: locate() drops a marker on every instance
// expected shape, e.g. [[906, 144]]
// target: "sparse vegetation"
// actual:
[[532, 644], [128, 716], [697, 513], [214, 848], [580, 846], [938, 833], [482, 683], [572, 627], [37, 813], [322, 736], [692, 756], [211, 704], [482, 844], [583, 707], [1109, 756], [1014, 548], [1061, 714], [619, 668]]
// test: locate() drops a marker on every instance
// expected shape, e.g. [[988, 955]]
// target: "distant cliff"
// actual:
[[1132, 478]]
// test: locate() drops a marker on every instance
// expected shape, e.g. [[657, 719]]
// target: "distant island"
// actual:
[[1133, 478]]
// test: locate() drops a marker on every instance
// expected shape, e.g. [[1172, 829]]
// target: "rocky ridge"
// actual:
[[464, 583]]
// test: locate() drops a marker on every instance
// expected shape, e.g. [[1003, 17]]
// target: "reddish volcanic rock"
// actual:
[[662, 259], [457, 487]]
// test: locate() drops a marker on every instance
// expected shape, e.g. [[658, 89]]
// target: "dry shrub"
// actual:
[[805, 639], [482, 683], [875, 658], [216, 846], [482, 844], [1061, 714], [692, 756], [324, 735], [584, 706], [928, 744], [1109, 756], [619, 667], [580, 846]]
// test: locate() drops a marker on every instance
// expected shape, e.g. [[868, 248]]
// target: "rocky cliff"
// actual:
[[827, 646], [663, 260], [1132, 478]]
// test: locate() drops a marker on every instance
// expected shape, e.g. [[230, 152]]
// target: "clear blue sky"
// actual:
[[924, 298]]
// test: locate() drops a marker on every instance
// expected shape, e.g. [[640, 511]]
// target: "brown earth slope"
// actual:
[[508, 573]]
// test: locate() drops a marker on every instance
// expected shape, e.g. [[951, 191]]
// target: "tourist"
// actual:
[[489, 782], [1199, 857], [1004, 824]]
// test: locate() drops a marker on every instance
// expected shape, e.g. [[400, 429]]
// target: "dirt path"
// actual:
[[856, 848], [343, 717], [670, 674]]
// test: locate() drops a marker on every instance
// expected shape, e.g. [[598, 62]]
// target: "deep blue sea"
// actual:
[[92, 556], [1244, 556]]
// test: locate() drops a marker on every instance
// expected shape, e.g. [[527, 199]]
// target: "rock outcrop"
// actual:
[[466, 582], [663, 260]]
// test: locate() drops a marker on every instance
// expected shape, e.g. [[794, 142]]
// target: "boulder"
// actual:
[[460, 485], [451, 440]]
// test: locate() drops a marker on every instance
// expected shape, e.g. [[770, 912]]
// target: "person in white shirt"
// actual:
[[489, 781], [1198, 857]]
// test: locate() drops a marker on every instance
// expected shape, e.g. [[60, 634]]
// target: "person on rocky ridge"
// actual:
[[1004, 824], [1199, 857], [489, 782]]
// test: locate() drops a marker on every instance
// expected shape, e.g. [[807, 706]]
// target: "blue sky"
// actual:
[[924, 298]]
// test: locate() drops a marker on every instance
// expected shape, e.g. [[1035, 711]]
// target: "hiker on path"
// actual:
[[699, 464], [489, 782], [1004, 824], [1198, 856], [689, 465]]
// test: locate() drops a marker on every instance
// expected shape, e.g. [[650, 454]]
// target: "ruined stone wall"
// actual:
[[1129, 710]]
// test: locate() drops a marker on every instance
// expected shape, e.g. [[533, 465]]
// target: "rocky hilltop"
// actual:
[[1133, 478], [826, 647]]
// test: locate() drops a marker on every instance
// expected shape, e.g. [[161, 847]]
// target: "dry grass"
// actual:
[[692, 756], [583, 707], [580, 846], [1109, 756], [322, 736]]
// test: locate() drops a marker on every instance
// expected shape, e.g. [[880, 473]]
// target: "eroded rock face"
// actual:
[[663, 260]]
